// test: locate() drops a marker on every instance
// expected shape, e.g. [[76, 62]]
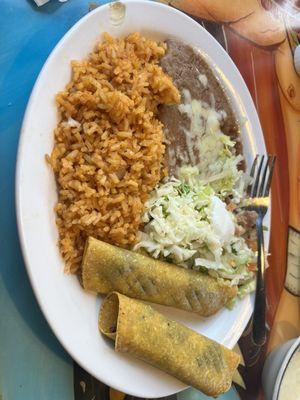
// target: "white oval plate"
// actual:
[[71, 313]]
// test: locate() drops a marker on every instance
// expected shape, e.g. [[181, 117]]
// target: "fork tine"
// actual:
[[269, 181], [250, 186], [253, 166], [263, 179], [254, 189]]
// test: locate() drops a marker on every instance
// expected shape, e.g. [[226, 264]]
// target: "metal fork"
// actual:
[[261, 172]]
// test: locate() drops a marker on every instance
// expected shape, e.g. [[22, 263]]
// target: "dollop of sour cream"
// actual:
[[221, 220]]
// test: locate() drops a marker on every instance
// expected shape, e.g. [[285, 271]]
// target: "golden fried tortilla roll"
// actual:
[[108, 268], [146, 334]]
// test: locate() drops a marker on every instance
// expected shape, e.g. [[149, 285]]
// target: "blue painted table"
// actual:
[[33, 365]]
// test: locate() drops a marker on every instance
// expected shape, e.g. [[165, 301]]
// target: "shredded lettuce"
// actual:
[[221, 173], [218, 162], [180, 228]]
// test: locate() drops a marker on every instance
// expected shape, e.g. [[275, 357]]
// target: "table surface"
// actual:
[[33, 365]]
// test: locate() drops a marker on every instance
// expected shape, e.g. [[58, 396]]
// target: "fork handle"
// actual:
[[259, 313]]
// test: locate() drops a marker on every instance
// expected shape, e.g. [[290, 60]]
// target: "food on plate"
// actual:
[[108, 268], [150, 174], [109, 144], [139, 330]]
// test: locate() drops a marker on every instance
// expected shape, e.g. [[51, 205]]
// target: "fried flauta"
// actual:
[[108, 268], [139, 330]]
